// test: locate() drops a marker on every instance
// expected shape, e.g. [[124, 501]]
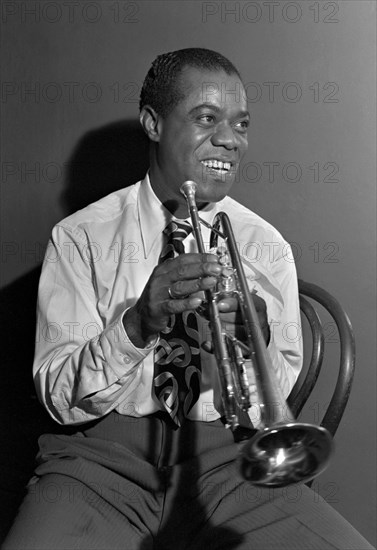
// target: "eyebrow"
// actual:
[[215, 109]]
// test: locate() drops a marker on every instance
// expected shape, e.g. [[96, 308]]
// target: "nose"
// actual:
[[225, 137]]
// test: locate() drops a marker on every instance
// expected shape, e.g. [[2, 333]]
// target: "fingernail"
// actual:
[[195, 302]]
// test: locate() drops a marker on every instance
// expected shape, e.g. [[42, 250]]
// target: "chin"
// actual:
[[213, 196], [218, 190], [211, 188]]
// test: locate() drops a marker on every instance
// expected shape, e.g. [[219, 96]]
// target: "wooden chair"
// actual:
[[309, 294]]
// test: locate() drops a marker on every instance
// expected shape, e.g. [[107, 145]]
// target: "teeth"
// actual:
[[217, 164]]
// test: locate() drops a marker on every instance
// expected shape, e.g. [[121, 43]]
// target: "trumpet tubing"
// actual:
[[283, 451]]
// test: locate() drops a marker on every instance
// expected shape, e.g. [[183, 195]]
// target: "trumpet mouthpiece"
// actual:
[[188, 188]]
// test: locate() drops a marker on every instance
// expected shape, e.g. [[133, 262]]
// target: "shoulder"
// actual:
[[248, 224], [266, 255], [97, 216]]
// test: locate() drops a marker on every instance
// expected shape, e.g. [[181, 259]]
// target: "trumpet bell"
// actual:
[[286, 454]]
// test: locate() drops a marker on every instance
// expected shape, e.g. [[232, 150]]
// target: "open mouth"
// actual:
[[218, 166]]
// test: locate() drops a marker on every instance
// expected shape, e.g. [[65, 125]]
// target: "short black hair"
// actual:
[[161, 85]]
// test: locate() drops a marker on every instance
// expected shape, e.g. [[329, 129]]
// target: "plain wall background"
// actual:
[[76, 67]]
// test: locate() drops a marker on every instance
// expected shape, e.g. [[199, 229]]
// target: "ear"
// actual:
[[151, 123]]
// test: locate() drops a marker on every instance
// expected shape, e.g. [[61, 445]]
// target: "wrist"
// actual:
[[132, 324]]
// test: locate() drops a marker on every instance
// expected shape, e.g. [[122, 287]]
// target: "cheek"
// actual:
[[244, 147], [185, 149]]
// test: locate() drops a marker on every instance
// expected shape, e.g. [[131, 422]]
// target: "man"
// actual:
[[148, 463]]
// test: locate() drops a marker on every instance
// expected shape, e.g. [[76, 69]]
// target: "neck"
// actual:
[[174, 202]]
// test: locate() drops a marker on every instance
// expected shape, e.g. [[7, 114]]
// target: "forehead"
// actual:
[[215, 88]]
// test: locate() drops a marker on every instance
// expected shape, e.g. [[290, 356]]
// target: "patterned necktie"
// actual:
[[177, 368]]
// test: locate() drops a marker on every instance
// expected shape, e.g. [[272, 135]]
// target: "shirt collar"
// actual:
[[154, 217]]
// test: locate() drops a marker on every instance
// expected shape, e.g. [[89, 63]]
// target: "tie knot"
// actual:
[[177, 230]]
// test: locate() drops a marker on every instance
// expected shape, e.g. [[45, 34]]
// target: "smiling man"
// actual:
[[147, 463], [203, 138]]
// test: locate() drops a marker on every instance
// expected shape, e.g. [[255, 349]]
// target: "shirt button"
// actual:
[[126, 359]]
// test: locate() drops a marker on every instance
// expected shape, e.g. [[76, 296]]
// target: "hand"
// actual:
[[232, 318], [174, 287]]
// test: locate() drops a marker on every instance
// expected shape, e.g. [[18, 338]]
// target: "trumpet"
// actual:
[[282, 451]]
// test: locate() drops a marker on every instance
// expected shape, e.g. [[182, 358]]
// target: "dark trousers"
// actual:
[[140, 484]]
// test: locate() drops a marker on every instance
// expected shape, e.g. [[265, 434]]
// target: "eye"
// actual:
[[243, 125], [207, 119]]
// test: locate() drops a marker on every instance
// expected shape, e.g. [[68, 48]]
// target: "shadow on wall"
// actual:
[[105, 159]]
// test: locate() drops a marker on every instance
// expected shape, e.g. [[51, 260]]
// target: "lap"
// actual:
[[62, 513], [223, 512], [293, 518], [98, 495]]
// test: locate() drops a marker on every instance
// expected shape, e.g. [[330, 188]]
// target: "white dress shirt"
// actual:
[[96, 266]]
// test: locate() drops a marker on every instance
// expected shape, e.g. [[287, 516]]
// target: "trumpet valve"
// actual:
[[226, 283]]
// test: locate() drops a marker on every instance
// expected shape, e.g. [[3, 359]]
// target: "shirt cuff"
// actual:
[[120, 353]]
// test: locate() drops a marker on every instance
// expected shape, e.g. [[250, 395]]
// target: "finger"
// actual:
[[195, 271], [179, 306], [182, 289], [230, 303], [208, 346], [190, 266], [193, 256], [189, 258]]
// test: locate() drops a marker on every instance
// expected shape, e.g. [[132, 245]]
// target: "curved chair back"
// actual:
[[309, 294]]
